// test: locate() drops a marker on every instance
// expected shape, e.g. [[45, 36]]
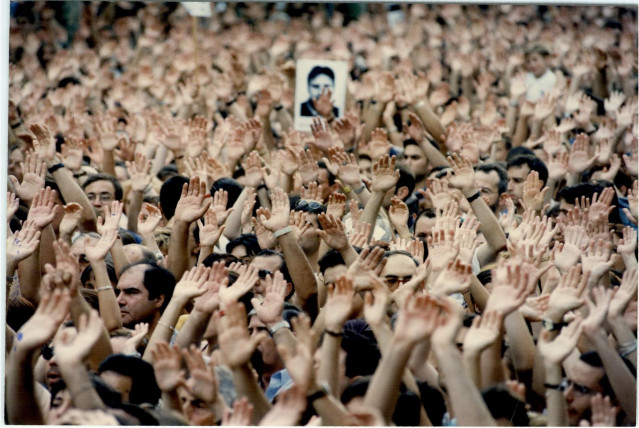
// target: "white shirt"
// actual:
[[537, 87]]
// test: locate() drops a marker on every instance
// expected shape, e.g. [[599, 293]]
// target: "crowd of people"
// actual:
[[457, 247]]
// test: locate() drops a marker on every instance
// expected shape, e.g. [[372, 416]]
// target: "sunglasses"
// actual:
[[311, 205], [47, 352], [581, 389], [263, 273]]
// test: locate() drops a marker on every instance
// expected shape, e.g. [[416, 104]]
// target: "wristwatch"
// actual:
[[275, 327], [551, 326], [321, 393]]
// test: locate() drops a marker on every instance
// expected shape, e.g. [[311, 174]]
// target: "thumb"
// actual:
[[14, 181]]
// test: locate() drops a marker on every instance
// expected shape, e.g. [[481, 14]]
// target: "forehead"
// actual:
[[519, 171], [271, 263], [585, 374], [100, 186], [490, 179], [321, 79], [412, 150], [332, 274], [133, 278], [399, 265]]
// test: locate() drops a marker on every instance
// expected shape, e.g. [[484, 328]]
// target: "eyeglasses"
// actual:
[[47, 352], [263, 273], [581, 389], [311, 205], [104, 197], [394, 280]]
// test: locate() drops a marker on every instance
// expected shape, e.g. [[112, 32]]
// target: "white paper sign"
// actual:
[[311, 78], [196, 8]]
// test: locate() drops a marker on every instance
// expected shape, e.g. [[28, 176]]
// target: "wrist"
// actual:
[[554, 315], [469, 191]]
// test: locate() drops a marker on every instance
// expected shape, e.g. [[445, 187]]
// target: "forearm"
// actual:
[[178, 252], [492, 369], [372, 117], [102, 347], [301, 273], [466, 402], [511, 118], [383, 390], [555, 401], [372, 209], [107, 300], [329, 365], [479, 293], [285, 119], [193, 329], [80, 387], [205, 251], [29, 274], [621, 379], [471, 360], [120, 260], [629, 260], [489, 227], [108, 162], [72, 192], [165, 326], [434, 155], [521, 131], [148, 240], [431, 121], [159, 159], [520, 342], [21, 404], [134, 210], [246, 386], [623, 334], [233, 222]]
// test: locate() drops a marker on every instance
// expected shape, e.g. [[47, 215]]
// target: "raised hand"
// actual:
[[105, 128], [99, 251], [347, 168], [234, 340], [454, 279], [280, 211], [463, 174], [72, 349], [193, 202], [167, 364], [441, 249], [579, 159], [467, 239], [623, 294], [418, 318], [131, 344], [597, 259], [600, 205], [202, 382], [210, 231], [555, 352], [375, 306], [71, 219], [139, 172], [308, 168], [398, 213], [149, 218], [43, 208], [358, 237], [241, 414], [568, 295], [483, 332], [333, 232], [313, 192], [43, 324], [321, 134], [191, 285], [253, 169], [300, 363], [34, 172], [112, 216], [385, 176], [244, 283], [597, 311], [339, 304], [336, 205], [269, 311], [534, 192], [511, 286], [602, 413], [217, 278], [365, 271], [13, 204], [323, 103], [534, 308], [287, 411], [22, 243], [44, 143]]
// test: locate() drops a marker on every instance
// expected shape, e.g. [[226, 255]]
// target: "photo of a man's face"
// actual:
[[314, 79], [320, 82]]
